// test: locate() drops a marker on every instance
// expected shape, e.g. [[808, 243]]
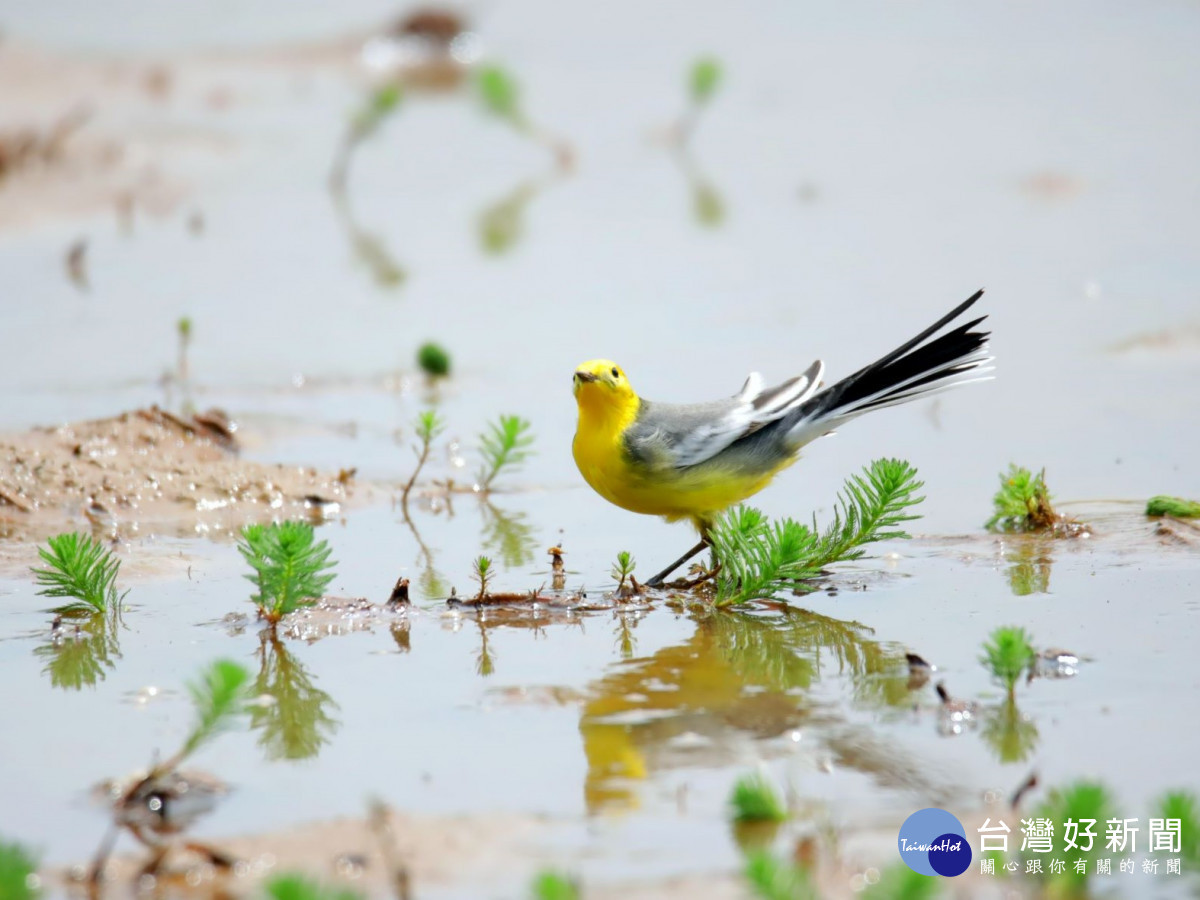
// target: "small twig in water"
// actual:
[[399, 595], [558, 570]]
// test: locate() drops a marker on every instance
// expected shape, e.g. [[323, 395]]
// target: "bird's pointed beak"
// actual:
[[583, 377]]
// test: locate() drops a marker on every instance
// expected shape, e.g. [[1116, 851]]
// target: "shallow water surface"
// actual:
[[862, 170]]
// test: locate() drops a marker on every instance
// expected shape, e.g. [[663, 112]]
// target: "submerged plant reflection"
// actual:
[[626, 639], [508, 534], [80, 651], [294, 721], [708, 207], [501, 223], [430, 583], [1029, 562], [485, 663], [368, 248], [703, 80], [1011, 735]]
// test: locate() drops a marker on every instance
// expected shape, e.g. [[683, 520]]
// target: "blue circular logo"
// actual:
[[933, 842]]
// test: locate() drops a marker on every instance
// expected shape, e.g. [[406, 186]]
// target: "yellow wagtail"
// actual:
[[693, 461]]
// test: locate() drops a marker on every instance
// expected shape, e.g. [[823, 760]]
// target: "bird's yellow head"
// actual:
[[601, 389]]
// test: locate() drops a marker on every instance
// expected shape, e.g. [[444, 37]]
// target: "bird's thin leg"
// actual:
[[658, 579]]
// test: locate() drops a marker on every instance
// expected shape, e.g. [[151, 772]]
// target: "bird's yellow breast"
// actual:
[[599, 445], [696, 493]]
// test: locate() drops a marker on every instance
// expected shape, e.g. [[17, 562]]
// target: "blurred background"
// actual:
[[853, 174]]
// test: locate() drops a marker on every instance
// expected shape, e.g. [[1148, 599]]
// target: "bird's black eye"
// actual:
[[616, 374]]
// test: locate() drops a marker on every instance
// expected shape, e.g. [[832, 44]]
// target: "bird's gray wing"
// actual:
[[686, 435]]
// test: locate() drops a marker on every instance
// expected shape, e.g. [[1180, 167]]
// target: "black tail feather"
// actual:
[[906, 368]]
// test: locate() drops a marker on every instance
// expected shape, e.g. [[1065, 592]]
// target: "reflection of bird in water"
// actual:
[[738, 679]]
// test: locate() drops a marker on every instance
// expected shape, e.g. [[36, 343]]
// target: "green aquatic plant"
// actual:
[[1184, 806], [82, 569], [754, 799], [771, 878], [1023, 503], [371, 250], [18, 872], [500, 95], [1163, 505], [427, 426], [757, 558], [481, 568], [707, 206], [622, 569], [899, 882], [184, 328], [218, 697], [502, 223], [434, 360], [551, 885], [1078, 802], [704, 78], [292, 886], [380, 104], [291, 568], [1008, 653], [505, 445], [144, 805]]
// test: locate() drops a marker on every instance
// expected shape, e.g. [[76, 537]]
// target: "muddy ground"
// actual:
[[150, 472]]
